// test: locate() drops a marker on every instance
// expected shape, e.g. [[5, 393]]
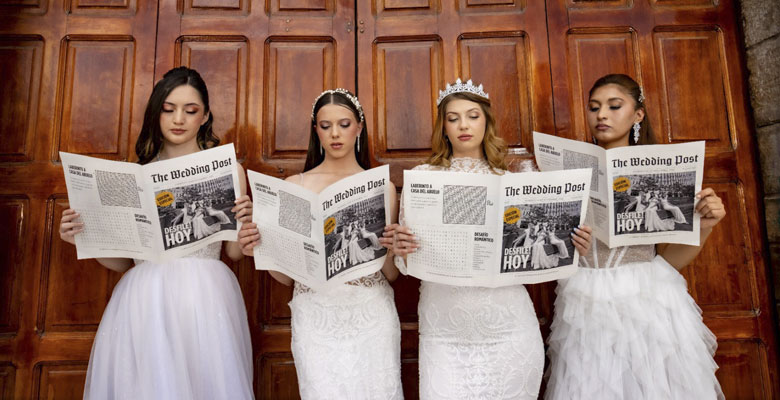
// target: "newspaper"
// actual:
[[324, 239], [493, 230], [639, 194], [158, 211]]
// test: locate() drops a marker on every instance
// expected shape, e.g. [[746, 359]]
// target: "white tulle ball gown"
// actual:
[[176, 330]]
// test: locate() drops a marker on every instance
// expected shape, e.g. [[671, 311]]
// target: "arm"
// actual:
[[68, 230], [388, 268], [243, 211], [711, 208]]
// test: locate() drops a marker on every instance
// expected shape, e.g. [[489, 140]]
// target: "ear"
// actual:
[[205, 117], [640, 115]]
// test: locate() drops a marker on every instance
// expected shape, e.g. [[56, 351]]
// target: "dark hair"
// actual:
[[150, 140], [631, 88], [493, 147], [315, 155]]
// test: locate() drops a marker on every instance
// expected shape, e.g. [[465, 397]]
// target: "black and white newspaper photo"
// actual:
[[158, 211], [321, 239], [492, 230], [642, 194]]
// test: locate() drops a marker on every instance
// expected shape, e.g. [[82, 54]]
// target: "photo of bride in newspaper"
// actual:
[[654, 202], [539, 239], [192, 212], [355, 238]]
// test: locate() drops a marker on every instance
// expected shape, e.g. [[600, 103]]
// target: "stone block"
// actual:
[[764, 65], [760, 20], [772, 210], [769, 153]]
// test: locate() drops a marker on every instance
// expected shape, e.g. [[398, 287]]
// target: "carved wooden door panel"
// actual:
[[75, 77], [687, 56], [264, 63]]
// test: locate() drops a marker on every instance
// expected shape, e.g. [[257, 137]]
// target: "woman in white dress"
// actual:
[[653, 222], [625, 326], [678, 215], [346, 342], [173, 330], [475, 342]]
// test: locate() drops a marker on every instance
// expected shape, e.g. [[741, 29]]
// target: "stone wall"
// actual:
[[761, 24]]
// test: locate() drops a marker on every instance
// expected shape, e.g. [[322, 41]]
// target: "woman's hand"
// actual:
[[581, 238], [399, 239], [69, 227], [710, 207], [248, 238], [243, 209]]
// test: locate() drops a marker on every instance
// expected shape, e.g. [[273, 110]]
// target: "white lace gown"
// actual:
[[477, 343], [625, 327], [176, 330], [346, 342]]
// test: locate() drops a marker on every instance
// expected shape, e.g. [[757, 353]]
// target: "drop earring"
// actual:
[[636, 132], [322, 151], [357, 143]]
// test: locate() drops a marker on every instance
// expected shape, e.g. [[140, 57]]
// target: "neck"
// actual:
[[340, 166], [623, 141], [169, 150], [476, 154]]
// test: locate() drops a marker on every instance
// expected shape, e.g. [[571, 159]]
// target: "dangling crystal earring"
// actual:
[[357, 143], [636, 132], [322, 151]]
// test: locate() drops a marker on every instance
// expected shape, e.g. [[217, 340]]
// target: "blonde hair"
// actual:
[[494, 148]]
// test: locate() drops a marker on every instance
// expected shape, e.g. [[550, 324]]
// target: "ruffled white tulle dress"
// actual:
[[346, 342], [176, 330], [625, 327], [475, 342]]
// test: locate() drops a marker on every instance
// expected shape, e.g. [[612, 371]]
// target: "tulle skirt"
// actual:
[[631, 332], [173, 331]]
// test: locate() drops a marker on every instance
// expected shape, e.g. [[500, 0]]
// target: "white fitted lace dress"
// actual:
[[475, 342]]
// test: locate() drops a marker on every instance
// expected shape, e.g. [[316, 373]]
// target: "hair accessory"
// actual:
[[641, 95], [636, 132], [460, 87], [346, 94]]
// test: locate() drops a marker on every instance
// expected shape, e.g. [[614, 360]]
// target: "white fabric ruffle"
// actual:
[[630, 332]]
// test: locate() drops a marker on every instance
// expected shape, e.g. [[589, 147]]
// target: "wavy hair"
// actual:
[[150, 140], [494, 148]]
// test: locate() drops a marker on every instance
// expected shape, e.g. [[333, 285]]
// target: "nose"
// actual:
[[462, 124], [602, 113], [178, 117]]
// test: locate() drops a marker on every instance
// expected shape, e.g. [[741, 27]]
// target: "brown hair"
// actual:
[[631, 88], [315, 155], [150, 140], [493, 147]]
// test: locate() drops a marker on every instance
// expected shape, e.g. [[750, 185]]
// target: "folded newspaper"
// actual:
[[638, 194], [494, 230], [158, 211], [322, 239]]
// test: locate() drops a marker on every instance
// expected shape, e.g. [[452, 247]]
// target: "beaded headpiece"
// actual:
[[641, 95], [346, 94], [459, 87]]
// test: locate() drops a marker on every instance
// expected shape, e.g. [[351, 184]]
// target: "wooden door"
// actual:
[[82, 71], [687, 56], [75, 77]]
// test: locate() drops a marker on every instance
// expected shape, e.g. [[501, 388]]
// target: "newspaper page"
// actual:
[[493, 230], [647, 194], [324, 239], [158, 211]]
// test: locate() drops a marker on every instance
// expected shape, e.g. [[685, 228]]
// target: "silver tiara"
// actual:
[[641, 95], [459, 87], [346, 94]]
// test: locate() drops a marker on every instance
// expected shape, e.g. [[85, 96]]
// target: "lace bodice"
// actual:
[[375, 279], [601, 256], [211, 251]]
